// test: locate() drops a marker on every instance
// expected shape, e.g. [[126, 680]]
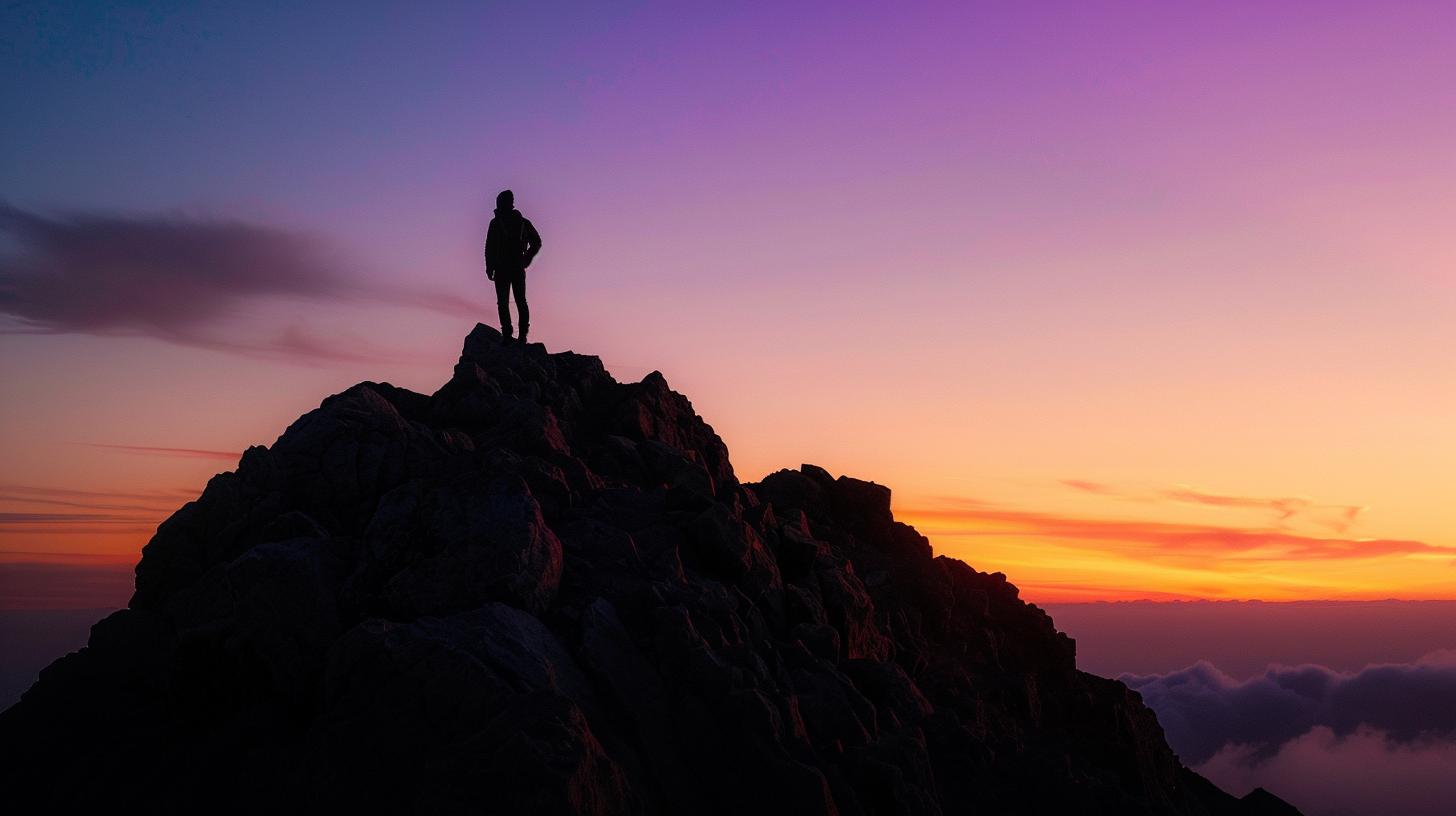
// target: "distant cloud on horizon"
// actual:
[[150, 500], [1204, 710], [1378, 740], [177, 278], [1177, 541], [1062, 555], [190, 453], [1337, 517], [29, 509]]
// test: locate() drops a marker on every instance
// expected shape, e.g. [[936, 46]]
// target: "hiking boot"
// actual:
[[505, 336], [523, 335]]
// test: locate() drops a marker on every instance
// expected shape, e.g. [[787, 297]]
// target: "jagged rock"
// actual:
[[539, 590], [432, 548]]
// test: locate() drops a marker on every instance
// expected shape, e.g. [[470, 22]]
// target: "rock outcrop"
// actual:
[[542, 591]]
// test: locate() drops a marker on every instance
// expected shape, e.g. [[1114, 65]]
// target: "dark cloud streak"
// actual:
[[167, 497], [178, 279], [37, 519], [190, 453]]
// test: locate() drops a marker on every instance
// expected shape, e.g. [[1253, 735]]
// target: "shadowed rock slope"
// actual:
[[542, 591]]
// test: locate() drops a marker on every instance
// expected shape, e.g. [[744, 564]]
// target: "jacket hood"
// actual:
[[511, 212]]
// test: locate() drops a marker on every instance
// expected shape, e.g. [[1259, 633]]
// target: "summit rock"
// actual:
[[540, 590]]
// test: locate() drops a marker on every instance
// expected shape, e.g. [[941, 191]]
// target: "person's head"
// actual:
[[506, 200]]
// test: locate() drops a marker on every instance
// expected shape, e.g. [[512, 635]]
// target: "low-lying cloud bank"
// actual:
[[1366, 773], [1203, 710], [1374, 741]]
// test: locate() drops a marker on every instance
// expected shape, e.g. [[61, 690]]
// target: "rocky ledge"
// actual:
[[542, 591]]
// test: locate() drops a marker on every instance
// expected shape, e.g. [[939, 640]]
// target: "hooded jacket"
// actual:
[[511, 241]]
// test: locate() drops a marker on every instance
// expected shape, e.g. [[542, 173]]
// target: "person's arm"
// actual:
[[533, 241], [489, 270]]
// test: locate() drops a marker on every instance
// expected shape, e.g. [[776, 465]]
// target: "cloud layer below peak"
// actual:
[[1203, 710], [1378, 740]]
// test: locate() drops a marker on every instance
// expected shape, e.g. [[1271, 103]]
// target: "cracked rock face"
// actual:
[[539, 590]]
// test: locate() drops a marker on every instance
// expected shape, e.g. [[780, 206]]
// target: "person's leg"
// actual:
[[503, 300], [521, 309]]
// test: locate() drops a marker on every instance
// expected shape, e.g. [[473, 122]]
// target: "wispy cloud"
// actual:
[[24, 526], [1337, 517], [9, 498], [33, 493], [189, 453], [178, 279], [27, 510], [1093, 487], [1152, 540], [38, 510]]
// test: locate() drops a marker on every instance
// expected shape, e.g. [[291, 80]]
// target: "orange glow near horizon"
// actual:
[[1153, 303], [1292, 518], [1072, 559], [1087, 541]]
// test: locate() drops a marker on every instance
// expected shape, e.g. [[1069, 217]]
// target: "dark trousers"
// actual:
[[505, 281]]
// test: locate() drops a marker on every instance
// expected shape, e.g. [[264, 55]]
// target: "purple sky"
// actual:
[[1128, 300], [975, 251]]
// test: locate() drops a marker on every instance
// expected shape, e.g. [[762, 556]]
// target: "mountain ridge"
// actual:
[[542, 590]]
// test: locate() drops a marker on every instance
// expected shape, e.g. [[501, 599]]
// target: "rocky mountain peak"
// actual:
[[539, 590]]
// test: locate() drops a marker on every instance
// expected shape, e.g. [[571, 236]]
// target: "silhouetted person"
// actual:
[[510, 244]]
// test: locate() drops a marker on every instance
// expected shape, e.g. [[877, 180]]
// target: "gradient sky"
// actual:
[[1127, 300]]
